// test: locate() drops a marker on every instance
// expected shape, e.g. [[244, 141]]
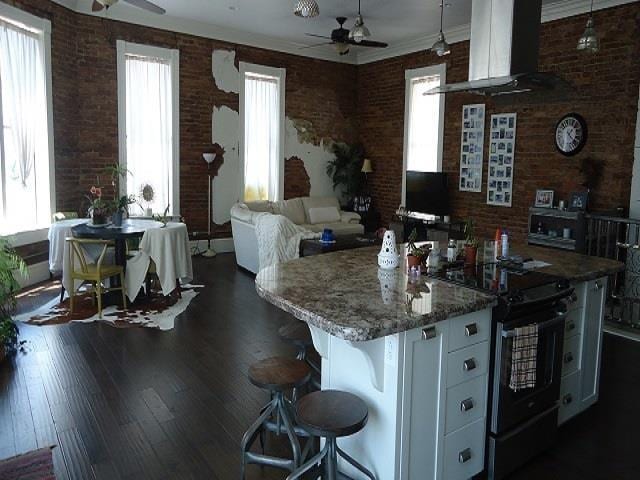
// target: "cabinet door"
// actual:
[[423, 404], [592, 341]]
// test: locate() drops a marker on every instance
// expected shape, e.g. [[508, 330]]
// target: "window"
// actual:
[[423, 120], [26, 138], [262, 127], [148, 123]]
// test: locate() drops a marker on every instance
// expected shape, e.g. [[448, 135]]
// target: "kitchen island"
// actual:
[[415, 349]]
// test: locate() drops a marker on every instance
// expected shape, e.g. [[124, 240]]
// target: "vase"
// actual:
[[388, 256], [148, 212], [117, 218]]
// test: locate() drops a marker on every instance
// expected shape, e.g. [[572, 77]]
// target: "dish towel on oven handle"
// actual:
[[524, 352]]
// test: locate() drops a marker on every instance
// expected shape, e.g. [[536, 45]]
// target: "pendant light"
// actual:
[[306, 9], [441, 47], [359, 31], [589, 39]]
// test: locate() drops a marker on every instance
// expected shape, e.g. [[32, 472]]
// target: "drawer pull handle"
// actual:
[[571, 325], [567, 399], [469, 364], [470, 329], [568, 357], [428, 333], [465, 455], [466, 405], [598, 286]]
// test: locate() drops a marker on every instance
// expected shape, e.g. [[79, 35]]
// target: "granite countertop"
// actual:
[[345, 294]]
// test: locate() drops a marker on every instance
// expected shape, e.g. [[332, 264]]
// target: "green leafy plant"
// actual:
[[164, 218], [413, 249], [122, 204], [10, 262], [345, 168], [469, 233]]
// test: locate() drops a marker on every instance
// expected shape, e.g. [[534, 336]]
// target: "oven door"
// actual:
[[511, 408]]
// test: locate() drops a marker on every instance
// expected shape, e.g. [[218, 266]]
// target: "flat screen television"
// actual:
[[427, 193]]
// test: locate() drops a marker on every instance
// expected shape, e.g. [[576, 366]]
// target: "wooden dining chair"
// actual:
[[94, 273], [58, 216]]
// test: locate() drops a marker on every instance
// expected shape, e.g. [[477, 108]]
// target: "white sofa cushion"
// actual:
[[318, 202], [260, 206], [324, 215], [293, 209]]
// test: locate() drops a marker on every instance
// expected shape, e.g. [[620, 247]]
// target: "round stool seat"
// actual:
[[279, 373], [331, 413], [297, 333]]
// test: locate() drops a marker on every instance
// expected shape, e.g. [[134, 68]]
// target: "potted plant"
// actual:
[[146, 196], [416, 256], [345, 169], [9, 263], [98, 206], [120, 206], [470, 243]]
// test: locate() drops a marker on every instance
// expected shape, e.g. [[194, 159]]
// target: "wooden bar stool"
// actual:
[[298, 334], [330, 414], [277, 375]]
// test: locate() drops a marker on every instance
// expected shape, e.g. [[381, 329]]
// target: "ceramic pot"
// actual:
[[470, 254], [413, 261], [117, 218], [98, 217]]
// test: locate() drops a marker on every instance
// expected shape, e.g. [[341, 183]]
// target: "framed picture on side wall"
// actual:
[[544, 199], [578, 201]]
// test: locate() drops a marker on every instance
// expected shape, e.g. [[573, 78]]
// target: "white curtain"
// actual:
[[24, 118], [261, 138], [424, 121], [149, 129]]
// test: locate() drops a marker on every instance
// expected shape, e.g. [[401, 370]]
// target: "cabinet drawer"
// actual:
[[580, 291], [464, 452], [469, 330], [571, 355], [467, 363], [569, 397], [465, 403], [573, 323]]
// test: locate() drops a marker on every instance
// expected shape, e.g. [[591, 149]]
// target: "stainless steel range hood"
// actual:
[[503, 52]]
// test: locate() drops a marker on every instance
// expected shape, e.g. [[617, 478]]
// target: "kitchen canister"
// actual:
[[388, 257]]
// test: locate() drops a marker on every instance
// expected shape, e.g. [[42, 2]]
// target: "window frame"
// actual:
[[410, 75], [281, 75], [42, 27], [123, 49]]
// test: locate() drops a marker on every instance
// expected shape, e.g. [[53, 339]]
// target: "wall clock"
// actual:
[[571, 134]]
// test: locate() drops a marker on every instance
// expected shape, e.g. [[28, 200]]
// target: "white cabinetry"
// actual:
[[582, 349]]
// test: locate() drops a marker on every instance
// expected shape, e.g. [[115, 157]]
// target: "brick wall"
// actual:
[[85, 102], [605, 94]]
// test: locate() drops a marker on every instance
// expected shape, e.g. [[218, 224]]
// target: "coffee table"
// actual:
[[343, 242]]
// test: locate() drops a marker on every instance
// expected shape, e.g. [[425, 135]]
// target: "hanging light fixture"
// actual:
[[441, 47], [359, 31], [306, 9], [589, 39]]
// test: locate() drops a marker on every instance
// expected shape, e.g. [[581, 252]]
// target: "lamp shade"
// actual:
[[209, 157], [366, 166]]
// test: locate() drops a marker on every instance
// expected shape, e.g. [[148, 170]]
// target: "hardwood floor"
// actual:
[[139, 403]]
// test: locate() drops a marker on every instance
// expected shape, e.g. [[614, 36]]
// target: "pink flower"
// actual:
[[93, 190], [98, 192]]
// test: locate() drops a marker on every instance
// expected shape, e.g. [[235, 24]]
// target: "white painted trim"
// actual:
[[173, 57], [36, 273], [409, 75], [280, 74], [24, 19], [28, 237]]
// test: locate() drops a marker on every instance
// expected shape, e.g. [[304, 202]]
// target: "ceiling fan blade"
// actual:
[[369, 43], [318, 36], [97, 6], [147, 5], [315, 45]]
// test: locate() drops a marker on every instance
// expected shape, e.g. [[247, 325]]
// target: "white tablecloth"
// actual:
[[169, 248], [58, 231]]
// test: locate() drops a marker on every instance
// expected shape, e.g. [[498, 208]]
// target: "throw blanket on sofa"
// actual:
[[279, 239]]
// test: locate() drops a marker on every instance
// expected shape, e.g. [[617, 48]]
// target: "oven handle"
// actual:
[[541, 326], [557, 296]]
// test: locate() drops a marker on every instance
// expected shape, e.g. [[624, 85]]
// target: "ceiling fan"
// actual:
[[342, 41], [143, 4]]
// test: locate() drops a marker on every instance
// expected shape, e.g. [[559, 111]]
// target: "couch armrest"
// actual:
[[349, 217]]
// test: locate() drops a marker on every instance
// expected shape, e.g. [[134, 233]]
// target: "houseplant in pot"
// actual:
[[470, 243], [10, 262], [345, 170], [120, 206], [416, 256], [98, 206]]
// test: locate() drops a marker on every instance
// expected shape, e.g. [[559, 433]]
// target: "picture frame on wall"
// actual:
[[578, 201], [471, 148], [544, 199], [502, 150]]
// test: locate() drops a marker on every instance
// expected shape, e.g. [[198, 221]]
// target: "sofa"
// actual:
[[312, 213]]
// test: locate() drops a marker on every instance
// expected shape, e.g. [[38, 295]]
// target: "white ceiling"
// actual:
[[407, 25]]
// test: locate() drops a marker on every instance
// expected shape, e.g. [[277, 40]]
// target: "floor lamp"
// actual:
[[209, 252]]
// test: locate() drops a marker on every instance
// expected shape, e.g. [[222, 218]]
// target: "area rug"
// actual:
[[35, 465], [156, 311]]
